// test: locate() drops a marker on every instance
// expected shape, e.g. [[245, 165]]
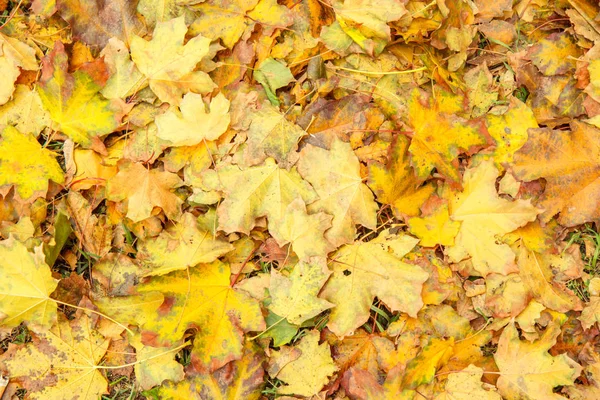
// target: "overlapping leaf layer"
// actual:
[[327, 199]]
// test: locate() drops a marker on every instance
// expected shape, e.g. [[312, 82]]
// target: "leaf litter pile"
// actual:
[[359, 199]]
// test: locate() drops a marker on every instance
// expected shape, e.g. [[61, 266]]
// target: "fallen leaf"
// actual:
[[194, 125], [465, 384], [421, 369], [202, 297], [537, 272], [26, 286], [335, 176], [396, 183], [527, 369], [91, 170], [304, 232], [145, 189], [271, 135], [125, 79], [94, 233], [95, 22], [168, 64], [568, 161], [25, 111], [14, 55], [265, 190], [155, 365], [73, 101], [181, 246], [362, 271], [64, 365], [484, 216], [439, 135], [26, 165], [436, 228], [238, 380], [295, 297], [555, 54], [305, 374]]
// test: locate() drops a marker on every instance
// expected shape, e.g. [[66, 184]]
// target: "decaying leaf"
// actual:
[[202, 297], [568, 161], [238, 380], [63, 364]]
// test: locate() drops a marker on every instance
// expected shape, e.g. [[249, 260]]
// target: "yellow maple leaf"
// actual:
[[396, 183], [467, 385], [484, 216], [125, 79], [73, 101], [439, 136], [26, 284], [25, 111], [335, 176], [229, 20], [591, 312], [63, 364], [568, 161], [365, 21], [362, 271], [305, 232], [26, 165], [155, 11], [365, 351], [304, 368], [169, 64], [436, 228], [135, 309], [265, 190], [181, 246], [155, 364], [145, 189], [271, 135], [527, 369], [295, 297], [203, 297], [194, 124], [509, 131], [224, 20]]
